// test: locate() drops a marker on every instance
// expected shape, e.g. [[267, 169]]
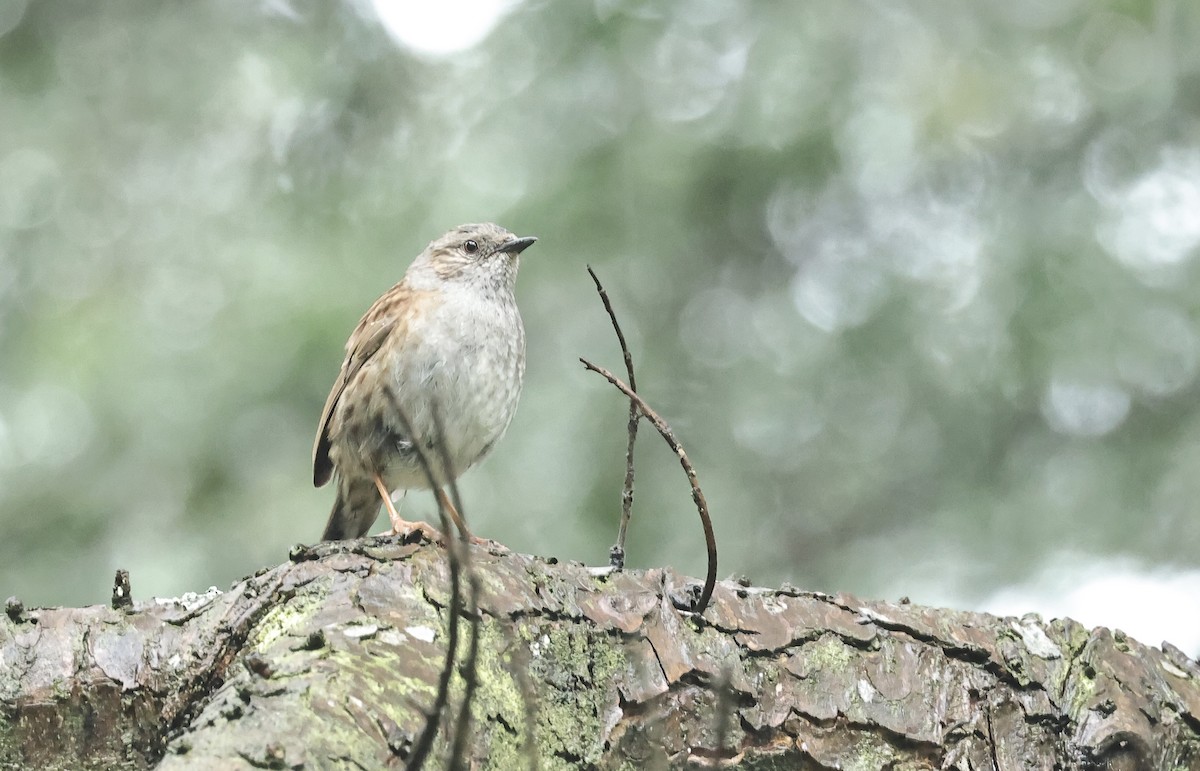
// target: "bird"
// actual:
[[442, 351]]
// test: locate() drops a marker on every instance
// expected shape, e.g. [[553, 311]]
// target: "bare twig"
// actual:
[[470, 676], [617, 553], [424, 743], [444, 454], [710, 540], [469, 669]]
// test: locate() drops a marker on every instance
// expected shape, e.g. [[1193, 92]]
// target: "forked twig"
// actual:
[[469, 669], [617, 553], [710, 540], [424, 743]]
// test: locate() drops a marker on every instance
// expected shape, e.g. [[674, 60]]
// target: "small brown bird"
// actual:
[[447, 338]]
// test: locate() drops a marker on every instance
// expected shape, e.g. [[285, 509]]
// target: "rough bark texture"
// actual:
[[330, 661]]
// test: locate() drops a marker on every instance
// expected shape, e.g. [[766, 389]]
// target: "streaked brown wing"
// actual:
[[366, 340]]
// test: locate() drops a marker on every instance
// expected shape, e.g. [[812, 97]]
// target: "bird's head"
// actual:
[[482, 255]]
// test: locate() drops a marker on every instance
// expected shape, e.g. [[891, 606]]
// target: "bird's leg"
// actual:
[[463, 530], [393, 515], [401, 526]]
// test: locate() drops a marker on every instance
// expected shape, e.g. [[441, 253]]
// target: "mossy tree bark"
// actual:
[[332, 660]]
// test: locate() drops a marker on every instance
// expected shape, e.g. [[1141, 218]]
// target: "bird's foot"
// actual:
[[495, 547], [413, 531]]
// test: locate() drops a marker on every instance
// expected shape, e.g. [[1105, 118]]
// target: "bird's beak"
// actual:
[[517, 245]]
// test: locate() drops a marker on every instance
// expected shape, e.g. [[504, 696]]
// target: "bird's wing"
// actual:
[[365, 341]]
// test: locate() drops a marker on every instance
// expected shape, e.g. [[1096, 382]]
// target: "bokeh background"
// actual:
[[916, 283]]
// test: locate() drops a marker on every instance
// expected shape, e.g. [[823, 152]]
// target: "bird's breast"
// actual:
[[467, 363]]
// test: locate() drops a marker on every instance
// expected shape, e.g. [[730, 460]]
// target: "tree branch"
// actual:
[[325, 661]]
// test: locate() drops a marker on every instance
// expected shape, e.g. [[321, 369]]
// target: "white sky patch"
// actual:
[[440, 28], [1151, 604]]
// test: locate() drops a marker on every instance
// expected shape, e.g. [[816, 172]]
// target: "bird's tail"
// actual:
[[354, 511]]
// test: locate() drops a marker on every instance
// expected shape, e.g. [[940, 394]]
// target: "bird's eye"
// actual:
[[471, 247]]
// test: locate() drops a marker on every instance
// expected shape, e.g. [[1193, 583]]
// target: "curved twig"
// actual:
[[617, 553], [710, 540]]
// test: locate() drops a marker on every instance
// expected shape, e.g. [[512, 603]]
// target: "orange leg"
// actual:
[[463, 530], [401, 526]]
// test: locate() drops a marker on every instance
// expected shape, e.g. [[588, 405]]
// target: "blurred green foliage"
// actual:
[[915, 283]]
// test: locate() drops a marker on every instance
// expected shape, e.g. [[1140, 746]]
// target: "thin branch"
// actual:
[[617, 553], [710, 540], [424, 743], [444, 453], [470, 675], [457, 551]]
